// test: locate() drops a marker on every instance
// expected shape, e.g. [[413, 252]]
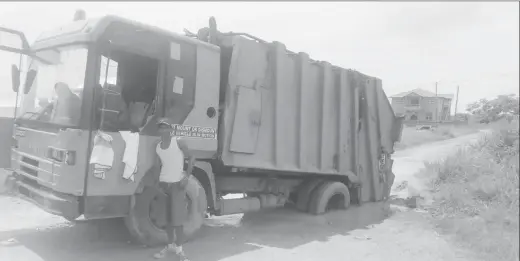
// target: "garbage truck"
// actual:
[[259, 120]]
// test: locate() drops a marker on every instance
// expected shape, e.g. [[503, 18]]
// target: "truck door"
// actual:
[[248, 115], [13, 45]]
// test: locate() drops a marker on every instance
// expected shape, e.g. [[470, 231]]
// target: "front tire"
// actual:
[[146, 221]]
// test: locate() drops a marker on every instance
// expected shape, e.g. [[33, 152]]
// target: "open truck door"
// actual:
[[14, 42]]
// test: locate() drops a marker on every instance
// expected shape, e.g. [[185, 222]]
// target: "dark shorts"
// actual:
[[176, 204]]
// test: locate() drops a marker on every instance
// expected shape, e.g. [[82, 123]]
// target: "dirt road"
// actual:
[[361, 233]]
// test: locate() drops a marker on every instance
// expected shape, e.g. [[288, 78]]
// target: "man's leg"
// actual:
[[170, 228], [179, 241], [179, 214], [176, 214]]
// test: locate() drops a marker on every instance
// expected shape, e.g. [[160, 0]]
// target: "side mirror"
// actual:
[[31, 75], [15, 77]]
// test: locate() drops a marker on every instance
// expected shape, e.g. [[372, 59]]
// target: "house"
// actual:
[[422, 106]]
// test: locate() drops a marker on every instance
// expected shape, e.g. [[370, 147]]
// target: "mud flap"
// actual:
[[389, 176]]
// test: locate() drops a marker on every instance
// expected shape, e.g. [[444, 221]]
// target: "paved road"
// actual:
[[408, 161], [365, 233]]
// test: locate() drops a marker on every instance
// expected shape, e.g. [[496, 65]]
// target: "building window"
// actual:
[[398, 101], [414, 101], [431, 101], [429, 116]]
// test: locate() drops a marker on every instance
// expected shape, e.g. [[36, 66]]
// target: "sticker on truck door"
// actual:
[[193, 131]]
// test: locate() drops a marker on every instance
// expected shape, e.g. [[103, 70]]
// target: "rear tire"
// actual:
[[305, 192], [141, 221], [329, 195], [73, 220]]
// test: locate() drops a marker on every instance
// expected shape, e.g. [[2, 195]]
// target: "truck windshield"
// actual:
[[55, 95]]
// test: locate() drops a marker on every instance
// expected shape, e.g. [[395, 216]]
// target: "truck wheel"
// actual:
[[329, 195], [72, 220], [304, 194], [146, 221]]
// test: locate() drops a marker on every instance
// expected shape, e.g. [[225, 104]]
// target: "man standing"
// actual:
[[173, 180]]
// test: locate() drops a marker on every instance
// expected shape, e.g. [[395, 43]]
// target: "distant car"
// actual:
[[425, 127], [484, 121]]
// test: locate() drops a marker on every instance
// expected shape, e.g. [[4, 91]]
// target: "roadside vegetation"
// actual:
[[476, 191], [482, 114]]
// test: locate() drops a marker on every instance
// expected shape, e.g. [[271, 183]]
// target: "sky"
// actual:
[[474, 45]]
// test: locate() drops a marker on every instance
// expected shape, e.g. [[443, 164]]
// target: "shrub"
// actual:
[[476, 194]]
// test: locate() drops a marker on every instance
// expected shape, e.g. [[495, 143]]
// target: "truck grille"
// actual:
[[30, 161], [27, 169]]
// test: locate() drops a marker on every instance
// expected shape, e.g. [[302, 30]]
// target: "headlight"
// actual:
[[59, 155], [70, 157]]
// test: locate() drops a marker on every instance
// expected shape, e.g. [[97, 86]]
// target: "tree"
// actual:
[[495, 109]]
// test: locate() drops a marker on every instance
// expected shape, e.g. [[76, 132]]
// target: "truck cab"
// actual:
[[80, 81]]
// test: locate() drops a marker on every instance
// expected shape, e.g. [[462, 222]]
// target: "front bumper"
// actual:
[[55, 203]]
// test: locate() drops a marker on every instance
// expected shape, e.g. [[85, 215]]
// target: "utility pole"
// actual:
[[436, 104], [456, 101]]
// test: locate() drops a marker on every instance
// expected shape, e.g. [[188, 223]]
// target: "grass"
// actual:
[[412, 137], [476, 195]]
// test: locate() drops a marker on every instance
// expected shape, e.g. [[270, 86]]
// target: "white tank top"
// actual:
[[172, 160]]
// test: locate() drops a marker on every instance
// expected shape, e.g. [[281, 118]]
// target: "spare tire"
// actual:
[[146, 221], [328, 193]]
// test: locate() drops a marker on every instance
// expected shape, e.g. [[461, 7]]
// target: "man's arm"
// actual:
[[181, 142]]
